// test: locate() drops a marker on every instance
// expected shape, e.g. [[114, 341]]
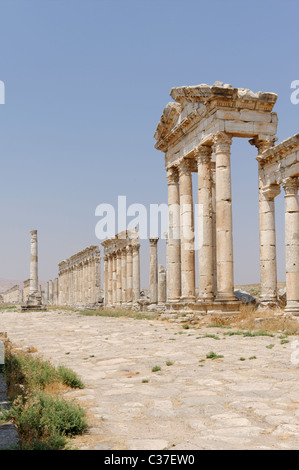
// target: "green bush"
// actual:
[[45, 420]]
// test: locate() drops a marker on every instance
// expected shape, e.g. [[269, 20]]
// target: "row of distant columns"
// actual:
[[122, 276], [80, 283], [214, 222]]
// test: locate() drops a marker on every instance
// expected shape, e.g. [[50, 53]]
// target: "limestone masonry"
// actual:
[[195, 133]]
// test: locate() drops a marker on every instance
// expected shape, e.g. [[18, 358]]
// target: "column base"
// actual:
[[190, 299], [223, 298], [292, 308]]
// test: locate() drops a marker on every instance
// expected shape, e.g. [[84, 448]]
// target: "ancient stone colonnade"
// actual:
[[80, 279], [195, 133], [122, 269]]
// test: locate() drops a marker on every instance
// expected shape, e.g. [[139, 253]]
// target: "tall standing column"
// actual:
[[129, 274], [110, 274], [224, 224], [33, 286], [292, 244], [123, 275], [51, 292], [153, 280], [205, 225], [136, 272], [97, 292], [187, 233], [106, 274], [118, 277], [267, 194], [114, 279], [34, 295], [268, 268], [174, 242]]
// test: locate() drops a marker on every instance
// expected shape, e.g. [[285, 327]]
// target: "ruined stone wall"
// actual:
[[13, 295]]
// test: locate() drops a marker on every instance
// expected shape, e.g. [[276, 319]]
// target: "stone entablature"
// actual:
[[80, 279], [122, 269], [202, 111]]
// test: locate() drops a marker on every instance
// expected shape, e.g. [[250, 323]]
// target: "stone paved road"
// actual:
[[214, 404]]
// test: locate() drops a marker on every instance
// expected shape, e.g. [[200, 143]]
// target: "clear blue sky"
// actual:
[[86, 82]]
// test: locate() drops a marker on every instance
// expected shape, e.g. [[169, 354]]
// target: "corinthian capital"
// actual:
[[172, 175], [222, 143], [290, 185]]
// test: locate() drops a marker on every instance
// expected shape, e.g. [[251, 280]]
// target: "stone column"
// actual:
[[51, 292], [118, 277], [153, 280], [136, 272], [205, 225], [268, 269], [114, 279], [106, 275], [47, 292], [123, 276], [55, 291], [224, 223], [174, 242], [292, 244], [97, 292], [267, 194], [110, 274], [129, 275], [187, 233], [161, 285], [33, 263]]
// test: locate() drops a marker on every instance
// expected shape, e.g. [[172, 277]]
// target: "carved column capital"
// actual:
[[203, 153], [222, 143], [185, 167], [172, 175], [263, 143], [290, 185], [153, 241]]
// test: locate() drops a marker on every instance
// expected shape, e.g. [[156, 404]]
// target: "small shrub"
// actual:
[[156, 368], [69, 377], [212, 355], [169, 363]]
